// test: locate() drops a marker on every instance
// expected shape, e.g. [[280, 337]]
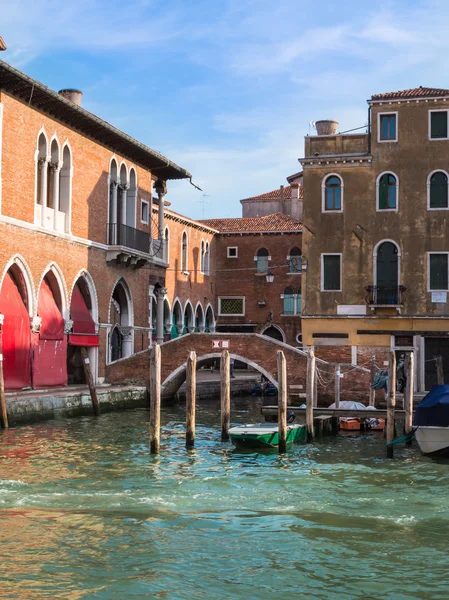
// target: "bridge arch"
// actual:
[[177, 377]]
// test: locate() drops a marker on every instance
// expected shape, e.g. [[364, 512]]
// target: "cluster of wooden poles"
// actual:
[[225, 396]]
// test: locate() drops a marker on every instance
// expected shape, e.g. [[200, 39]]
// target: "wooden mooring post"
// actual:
[[337, 397], [190, 399], [282, 402], [155, 399], [90, 381], [3, 409], [225, 394], [372, 391], [440, 372], [391, 402], [409, 368], [310, 389]]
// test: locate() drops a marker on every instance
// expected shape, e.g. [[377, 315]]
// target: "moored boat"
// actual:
[[431, 421], [264, 435]]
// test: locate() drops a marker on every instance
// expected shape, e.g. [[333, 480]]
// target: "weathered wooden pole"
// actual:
[[90, 381], [190, 399], [440, 373], [282, 402], [372, 391], [337, 386], [225, 393], [391, 402], [155, 399], [3, 409], [315, 388], [409, 369], [310, 388]]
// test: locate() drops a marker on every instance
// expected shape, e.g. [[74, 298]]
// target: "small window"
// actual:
[[387, 192], [438, 190], [438, 272], [438, 124], [331, 272], [289, 301], [388, 128], [144, 212], [295, 261], [262, 260], [232, 307], [332, 200], [233, 252]]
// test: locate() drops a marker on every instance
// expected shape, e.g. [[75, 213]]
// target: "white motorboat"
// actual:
[[431, 421], [433, 440]]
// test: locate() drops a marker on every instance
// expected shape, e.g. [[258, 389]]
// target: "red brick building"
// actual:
[[76, 248]]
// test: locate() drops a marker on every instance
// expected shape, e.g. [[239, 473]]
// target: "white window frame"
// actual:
[[295, 312], [340, 254], [431, 139], [142, 203], [220, 298], [429, 177], [236, 248], [385, 210], [323, 193], [428, 271], [387, 113]]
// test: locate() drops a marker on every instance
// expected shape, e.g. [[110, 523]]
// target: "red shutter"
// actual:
[[83, 325], [52, 326]]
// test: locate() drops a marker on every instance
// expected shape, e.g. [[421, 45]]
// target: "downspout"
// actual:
[[369, 129]]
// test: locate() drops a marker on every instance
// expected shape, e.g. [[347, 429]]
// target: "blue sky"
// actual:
[[227, 88]]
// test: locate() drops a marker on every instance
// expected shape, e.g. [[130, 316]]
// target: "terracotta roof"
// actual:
[[275, 222], [276, 194], [420, 92], [169, 213], [2, 43]]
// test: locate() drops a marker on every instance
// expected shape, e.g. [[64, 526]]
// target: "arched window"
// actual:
[[113, 203], [295, 260], [184, 252], [274, 332], [202, 257], [289, 301], [65, 192], [42, 170], [167, 245], [262, 258], [387, 290], [207, 259], [131, 200], [122, 204], [387, 192], [53, 179], [333, 196], [438, 190]]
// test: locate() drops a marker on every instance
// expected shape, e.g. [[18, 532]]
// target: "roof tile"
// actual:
[[276, 194], [420, 92], [274, 222]]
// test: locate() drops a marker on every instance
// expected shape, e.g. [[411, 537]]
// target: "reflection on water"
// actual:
[[86, 512]]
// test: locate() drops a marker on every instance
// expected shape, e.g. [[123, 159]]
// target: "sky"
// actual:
[[228, 88]]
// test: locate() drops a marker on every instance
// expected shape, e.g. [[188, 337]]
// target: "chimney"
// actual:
[[2, 44], [282, 203], [72, 95], [326, 127]]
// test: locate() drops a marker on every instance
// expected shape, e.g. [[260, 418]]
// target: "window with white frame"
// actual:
[[331, 272], [292, 301], [438, 272], [232, 252], [332, 193], [438, 129], [262, 260], [144, 212], [387, 189], [231, 306], [387, 127], [437, 190]]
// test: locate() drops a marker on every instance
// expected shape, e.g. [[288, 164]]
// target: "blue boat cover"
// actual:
[[433, 410]]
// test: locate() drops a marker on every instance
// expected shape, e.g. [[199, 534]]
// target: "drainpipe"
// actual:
[[369, 129]]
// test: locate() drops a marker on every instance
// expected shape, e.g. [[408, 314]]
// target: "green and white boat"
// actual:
[[264, 435]]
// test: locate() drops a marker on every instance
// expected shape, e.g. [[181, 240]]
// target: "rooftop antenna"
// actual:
[[203, 202]]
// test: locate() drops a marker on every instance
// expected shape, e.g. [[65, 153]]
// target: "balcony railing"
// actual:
[[130, 237], [385, 296]]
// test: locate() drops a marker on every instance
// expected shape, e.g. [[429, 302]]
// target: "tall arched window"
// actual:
[[295, 260], [42, 170], [131, 200], [202, 257], [184, 248], [438, 190], [65, 191], [333, 197], [262, 259], [207, 259], [289, 301], [387, 192], [113, 203], [387, 289]]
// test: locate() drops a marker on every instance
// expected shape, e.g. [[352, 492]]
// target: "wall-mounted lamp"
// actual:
[[269, 277]]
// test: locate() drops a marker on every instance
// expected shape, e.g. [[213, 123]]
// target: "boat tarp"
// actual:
[[433, 410]]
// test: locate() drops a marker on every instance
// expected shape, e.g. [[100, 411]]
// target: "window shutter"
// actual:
[[438, 271], [438, 124], [438, 191], [331, 272], [383, 192]]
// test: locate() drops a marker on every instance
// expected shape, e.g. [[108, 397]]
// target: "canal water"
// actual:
[[86, 513]]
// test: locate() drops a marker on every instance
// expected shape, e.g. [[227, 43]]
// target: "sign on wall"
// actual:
[[217, 344]]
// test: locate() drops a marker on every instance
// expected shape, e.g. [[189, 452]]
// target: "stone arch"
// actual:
[[57, 276], [189, 318], [200, 319], [177, 318], [177, 377], [20, 267], [167, 316], [121, 319], [84, 275], [123, 173], [209, 319], [275, 332]]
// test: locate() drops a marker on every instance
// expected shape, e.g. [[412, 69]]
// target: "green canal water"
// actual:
[[86, 512]]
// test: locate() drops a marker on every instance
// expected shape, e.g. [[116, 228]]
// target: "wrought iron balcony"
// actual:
[[385, 296], [133, 247], [130, 237]]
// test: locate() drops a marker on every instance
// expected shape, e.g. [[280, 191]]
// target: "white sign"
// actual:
[[439, 296], [216, 344]]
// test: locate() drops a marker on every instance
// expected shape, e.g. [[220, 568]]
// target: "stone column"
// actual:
[[161, 190], [123, 193], [113, 214], [160, 295], [55, 171]]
